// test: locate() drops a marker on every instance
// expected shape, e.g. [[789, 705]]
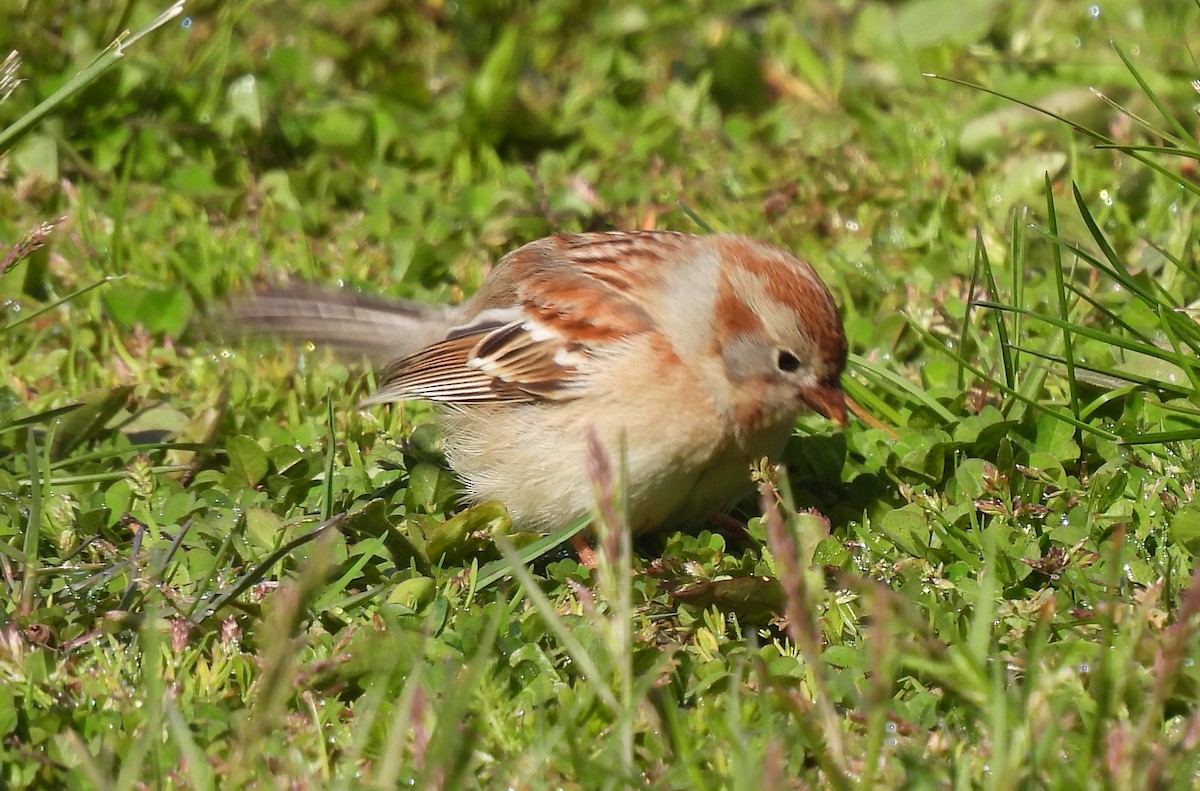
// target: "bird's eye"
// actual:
[[787, 362]]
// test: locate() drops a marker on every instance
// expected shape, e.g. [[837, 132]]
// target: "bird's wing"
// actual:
[[548, 308]]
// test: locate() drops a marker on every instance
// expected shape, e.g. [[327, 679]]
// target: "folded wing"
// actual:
[[566, 300]]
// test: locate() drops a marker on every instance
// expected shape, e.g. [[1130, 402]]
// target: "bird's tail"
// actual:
[[381, 328]]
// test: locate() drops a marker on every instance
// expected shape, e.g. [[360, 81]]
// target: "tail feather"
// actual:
[[379, 327]]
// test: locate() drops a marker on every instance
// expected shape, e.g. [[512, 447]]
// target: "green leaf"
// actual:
[[8, 711], [497, 570], [413, 593], [449, 539], [1185, 528], [37, 156], [248, 463], [339, 128], [905, 527], [86, 422], [752, 599], [263, 527], [1106, 485], [490, 96], [970, 476], [923, 23], [158, 310], [371, 521]]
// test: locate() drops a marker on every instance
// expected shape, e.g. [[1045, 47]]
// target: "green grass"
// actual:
[[218, 573]]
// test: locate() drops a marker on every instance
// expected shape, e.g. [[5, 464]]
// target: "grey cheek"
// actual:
[[745, 359]]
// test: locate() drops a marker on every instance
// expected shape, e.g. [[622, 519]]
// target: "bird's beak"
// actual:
[[827, 401]]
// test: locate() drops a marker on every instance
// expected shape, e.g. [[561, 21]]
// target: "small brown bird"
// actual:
[[695, 352]]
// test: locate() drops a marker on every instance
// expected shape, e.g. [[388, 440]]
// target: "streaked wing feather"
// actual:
[[523, 354], [544, 311], [453, 372]]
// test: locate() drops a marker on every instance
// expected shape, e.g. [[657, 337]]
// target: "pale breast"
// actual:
[[682, 464]]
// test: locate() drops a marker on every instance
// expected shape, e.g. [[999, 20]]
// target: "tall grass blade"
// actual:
[[33, 527], [105, 61], [1100, 138], [1017, 248], [1024, 399], [1181, 137], [580, 655], [1006, 358], [493, 572], [1061, 293], [966, 320], [1167, 355]]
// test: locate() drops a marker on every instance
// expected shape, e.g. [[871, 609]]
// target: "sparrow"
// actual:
[[692, 354]]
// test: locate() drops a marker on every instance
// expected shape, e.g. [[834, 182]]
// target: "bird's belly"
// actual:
[[533, 458]]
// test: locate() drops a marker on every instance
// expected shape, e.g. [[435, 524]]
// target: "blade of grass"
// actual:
[[1170, 150], [40, 417], [1112, 316], [102, 477], [330, 459], [1021, 397], [33, 527], [159, 574], [1182, 136], [1108, 377], [901, 387], [131, 588], [866, 397], [399, 728], [105, 61], [1156, 131], [1191, 335], [1190, 244], [1094, 135], [1115, 272], [966, 320], [59, 302], [117, 454], [279, 658], [257, 573], [1161, 437], [1063, 310], [1150, 350], [195, 765], [1192, 374], [493, 572], [1176, 407], [450, 748], [579, 655], [152, 687], [1010, 368], [1018, 246], [1102, 681], [694, 217]]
